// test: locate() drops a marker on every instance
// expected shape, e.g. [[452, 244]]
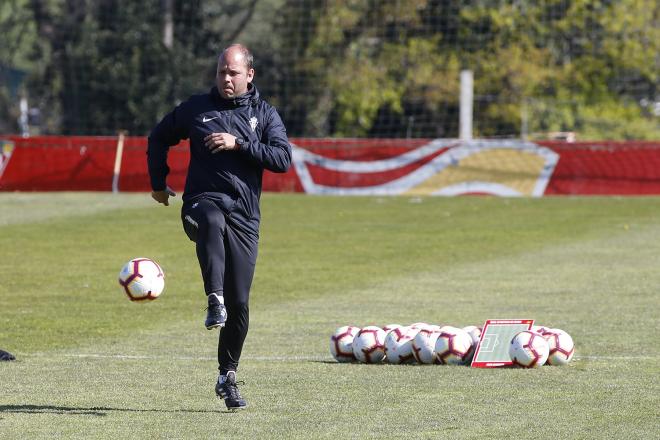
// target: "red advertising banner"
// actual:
[[505, 167], [605, 168]]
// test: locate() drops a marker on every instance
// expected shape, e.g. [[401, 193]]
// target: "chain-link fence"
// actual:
[[339, 68]]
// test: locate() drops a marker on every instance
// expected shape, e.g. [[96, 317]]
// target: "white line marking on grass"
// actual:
[[177, 358], [618, 358], [271, 358]]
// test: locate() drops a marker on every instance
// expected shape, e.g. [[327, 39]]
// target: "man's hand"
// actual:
[[163, 196], [217, 142]]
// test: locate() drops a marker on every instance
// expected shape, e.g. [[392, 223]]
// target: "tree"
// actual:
[[102, 66], [391, 68], [379, 68]]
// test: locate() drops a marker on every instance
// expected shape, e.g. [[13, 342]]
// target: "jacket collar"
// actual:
[[248, 98]]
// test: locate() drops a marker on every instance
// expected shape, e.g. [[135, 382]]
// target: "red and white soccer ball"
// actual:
[[369, 345], [142, 279], [425, 326], [528, 349], [420, 325], [540, 329], [341, 343], [453, 346], [399, 345], [389, 327], [561, 347], [424, 346], [474, 332]]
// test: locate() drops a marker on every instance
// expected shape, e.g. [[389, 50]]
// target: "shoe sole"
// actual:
[[231, 408], [211, 327]]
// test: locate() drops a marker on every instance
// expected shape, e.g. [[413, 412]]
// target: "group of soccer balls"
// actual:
[[142, 279], [432, 344], [541, 346]]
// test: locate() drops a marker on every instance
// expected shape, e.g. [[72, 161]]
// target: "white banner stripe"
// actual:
[[455, 153], [374, 166]]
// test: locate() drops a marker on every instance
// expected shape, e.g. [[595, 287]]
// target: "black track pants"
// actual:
[[227, 256]]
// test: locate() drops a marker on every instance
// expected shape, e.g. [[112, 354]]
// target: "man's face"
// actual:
[[232, 76]]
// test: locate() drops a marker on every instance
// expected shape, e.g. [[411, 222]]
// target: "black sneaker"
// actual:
[[229, 391], [216, 314]]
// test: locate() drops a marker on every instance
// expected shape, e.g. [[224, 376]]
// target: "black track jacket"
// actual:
[[231, 178]]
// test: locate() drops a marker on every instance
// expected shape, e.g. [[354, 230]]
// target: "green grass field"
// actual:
[[91, 364]]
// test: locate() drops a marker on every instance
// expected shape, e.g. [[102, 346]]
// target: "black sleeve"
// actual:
[[168, 132], [273, 152]]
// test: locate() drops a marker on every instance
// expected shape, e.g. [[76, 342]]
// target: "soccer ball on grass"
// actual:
[[398, 345], [453, 346], [369, 345], [341, 343], [561, 347], [528, 349], [474, 332], [424, 346]]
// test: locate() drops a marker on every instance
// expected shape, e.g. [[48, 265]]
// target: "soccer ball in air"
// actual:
[[453, 346], [528, 349], [398, 345], [369, 345], [561, 347], [142, 279], [341, 343]]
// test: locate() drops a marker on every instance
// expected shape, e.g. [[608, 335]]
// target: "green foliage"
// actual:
[[599, 120], [98, 67], [18, 34], [519, 52], [345, 67], [615, 120]]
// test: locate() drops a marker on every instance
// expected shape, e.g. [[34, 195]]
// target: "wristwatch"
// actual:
[[239, 143]]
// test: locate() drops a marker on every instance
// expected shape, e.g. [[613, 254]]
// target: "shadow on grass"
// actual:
[[372, 365], [92, 411]]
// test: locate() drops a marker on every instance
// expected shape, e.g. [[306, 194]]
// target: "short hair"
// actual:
[[247, 55]]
